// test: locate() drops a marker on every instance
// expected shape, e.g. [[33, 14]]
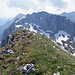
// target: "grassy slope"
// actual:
[[47, 59]]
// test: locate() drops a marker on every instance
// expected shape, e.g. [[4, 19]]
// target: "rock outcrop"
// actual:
[[28, 68]]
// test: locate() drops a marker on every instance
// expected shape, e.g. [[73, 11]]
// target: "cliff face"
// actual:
[[9, 30], [4, 41]]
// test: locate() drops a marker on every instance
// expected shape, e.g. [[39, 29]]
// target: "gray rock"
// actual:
[[56, 73], [23, 37], [28, 68], [18, 39], [10, 51]]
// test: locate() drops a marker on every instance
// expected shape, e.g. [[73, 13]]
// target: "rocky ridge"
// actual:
[[60, 29], [24, 48]]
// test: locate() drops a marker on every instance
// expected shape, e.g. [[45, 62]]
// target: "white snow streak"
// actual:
[[20, 19], [66, 44], [31, 28], [66, 18], [48, 31], [18, 26]]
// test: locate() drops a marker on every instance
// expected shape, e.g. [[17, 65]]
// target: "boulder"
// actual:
[[56, 73], [28, 68], [10, 51], [23, 37]]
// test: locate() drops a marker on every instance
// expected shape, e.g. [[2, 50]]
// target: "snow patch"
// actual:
[[26, 23], [59, 40], [44, 33], [40, 18], [20, 19], [48, 31], [31, 28], [38, 27], [63, 48], [71, 47], [59, 36], [66, 44], [35, 25], [66, 18], [18, 26], [73, 54], [71, 42], [61, 33], [23, 27], [54, 47]]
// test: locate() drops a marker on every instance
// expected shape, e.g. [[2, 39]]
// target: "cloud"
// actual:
[[70, 5], [10, 8], [8, 12], [24, 4], [58, 3]]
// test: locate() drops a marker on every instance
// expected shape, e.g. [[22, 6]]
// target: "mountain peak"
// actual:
[[70, 15], [20, 15]]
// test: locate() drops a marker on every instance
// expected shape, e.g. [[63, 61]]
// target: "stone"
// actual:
[[15, 62], [18, 39], [54, 74], [28, 68], [1, 58], [23, 37], [10, 51], [58, 73], [5, 52], [12, 44], [24, 31]]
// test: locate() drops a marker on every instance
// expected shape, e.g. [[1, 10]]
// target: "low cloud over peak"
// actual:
[[10, 8]]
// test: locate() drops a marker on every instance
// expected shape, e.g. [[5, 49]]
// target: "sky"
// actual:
[[10, 8]]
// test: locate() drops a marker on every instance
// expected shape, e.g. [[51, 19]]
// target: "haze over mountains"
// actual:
[[2, 21], [70, 15]]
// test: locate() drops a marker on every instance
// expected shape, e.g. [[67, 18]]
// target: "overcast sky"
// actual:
[[10, 8]]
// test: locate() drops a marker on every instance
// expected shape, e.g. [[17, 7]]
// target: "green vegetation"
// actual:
[[39, 50]]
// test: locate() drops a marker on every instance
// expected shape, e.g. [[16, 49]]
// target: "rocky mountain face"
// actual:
[[3, 27], [7, 24], [70, 15], [60, 29]]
